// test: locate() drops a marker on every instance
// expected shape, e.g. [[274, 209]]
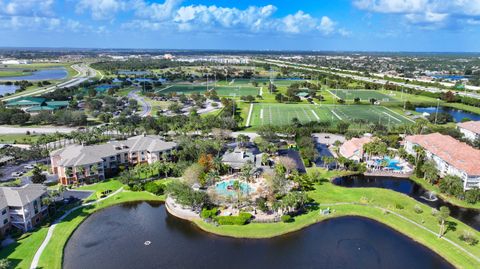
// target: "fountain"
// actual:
[[429, 196]]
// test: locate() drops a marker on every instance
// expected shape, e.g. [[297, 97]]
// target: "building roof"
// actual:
[[21, 196], [57, 103], [458, 154], [353, 146], [76, 155], [26, 101], [473, 126], [238, 158], [41, 108]]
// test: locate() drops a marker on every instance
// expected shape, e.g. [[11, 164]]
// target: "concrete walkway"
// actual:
[[412, 222], [176, 210], [45, 242]]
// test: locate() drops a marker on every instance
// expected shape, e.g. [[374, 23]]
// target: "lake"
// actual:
[[406, 186], [43, 74], [7, 89], [114, 238], [457, 114]]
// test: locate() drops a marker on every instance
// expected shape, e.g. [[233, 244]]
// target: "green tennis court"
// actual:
[[229, 91], [283, 114], [364, 95]]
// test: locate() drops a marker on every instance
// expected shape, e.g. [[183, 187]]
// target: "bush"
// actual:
[[242, 219], [262, 204], [153, 187], [399, 206], [418, 209], [137, 187], [287, 218], [472, 196], [469, 238], [209, 213]]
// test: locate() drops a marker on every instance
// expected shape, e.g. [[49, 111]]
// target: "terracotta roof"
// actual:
[[458, 154], [354, 145], [473, 126]]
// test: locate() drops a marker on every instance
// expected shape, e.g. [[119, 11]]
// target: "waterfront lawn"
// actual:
[[53, 253], [109, 184], [21, 253], [367, 199]]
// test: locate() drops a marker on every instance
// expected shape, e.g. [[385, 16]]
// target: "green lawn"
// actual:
[[18, 138], [283, 114], [364, 95], [21, 253], [229, 91]]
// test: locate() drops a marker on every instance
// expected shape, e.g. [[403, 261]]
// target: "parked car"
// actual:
[[28, 166], [17, 174]]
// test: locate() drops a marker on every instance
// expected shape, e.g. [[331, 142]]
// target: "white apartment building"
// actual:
[[451, 156], [470, 129]]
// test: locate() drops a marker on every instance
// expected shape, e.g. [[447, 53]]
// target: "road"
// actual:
[[146, 107], [85, 72], [5, 129], [362, 78]]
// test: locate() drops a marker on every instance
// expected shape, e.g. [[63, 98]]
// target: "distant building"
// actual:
[[78, 164], [36, 104], [353, 149], [16, 62], [22, 207], [470, 129], [451, 156]]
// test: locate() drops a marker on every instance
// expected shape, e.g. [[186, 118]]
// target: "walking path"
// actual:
[[45, 242], [412, 222]]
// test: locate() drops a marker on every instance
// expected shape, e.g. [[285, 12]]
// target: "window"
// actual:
[[5, 221], [4, 211]]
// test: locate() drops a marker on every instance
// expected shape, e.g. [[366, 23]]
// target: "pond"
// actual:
[[406, 186], [457, 114], [43, 74], [115, 238], [4, 89]]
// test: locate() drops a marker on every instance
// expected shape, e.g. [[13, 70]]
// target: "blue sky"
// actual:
[[364, 25]]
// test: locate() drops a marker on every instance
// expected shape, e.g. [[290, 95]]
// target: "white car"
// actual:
[[29, 166], [17, 174]]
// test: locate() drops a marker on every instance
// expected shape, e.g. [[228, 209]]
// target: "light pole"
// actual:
[[436, 112]]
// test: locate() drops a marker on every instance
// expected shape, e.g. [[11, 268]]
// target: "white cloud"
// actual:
[[100, 9], [433, 13], [37, 8], [156, 11]]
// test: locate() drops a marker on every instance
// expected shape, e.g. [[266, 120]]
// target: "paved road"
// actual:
[[5, 129], [85, 72], [362, 78], [146, 107]]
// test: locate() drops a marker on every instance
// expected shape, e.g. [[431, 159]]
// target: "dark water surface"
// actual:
[[42, 74], [412, 189], [457, 114], [114, 238]]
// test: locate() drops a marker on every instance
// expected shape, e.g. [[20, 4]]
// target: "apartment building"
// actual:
[[22, 207], [470, 129], [78, 163], [451, 156]]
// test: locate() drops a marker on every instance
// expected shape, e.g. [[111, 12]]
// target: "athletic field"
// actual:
[[229, 91], [364, 95], [282, 114], [260, 81]]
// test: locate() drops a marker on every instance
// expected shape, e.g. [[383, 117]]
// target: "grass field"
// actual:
[[282, 114], [364, 95], [230, 91]]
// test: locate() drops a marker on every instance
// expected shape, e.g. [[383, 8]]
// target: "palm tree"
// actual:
[[443, 215]]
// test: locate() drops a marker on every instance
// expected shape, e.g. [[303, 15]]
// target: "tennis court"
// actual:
[[283, 114], [229, 91], [364, 95]]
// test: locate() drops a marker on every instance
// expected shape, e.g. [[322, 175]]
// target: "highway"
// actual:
[[361, 78], [85, 72]]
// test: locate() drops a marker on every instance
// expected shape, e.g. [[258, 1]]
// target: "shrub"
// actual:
[[434, 211], [472, 196], [209, 213], [287, 218], [418, 209], [241, 219], [468, 237], [399, 206], [153, 187], [262, 204], [137, 187]]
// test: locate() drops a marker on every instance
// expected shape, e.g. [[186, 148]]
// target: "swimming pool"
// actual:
[[225, 188], [392, 164]]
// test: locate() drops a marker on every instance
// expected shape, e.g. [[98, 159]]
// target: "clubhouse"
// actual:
[[36, 104], [451, 156], [76, 164]]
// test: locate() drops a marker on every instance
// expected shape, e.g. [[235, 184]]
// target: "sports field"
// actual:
[[229, 91], [364, 95], [282, 114], [261, 81]]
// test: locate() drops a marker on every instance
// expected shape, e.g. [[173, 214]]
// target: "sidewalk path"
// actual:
[[45, 242]]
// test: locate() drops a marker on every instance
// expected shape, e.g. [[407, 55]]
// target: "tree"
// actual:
[[5, 264], [247, 171], [472, 196], [452, 185], [442, 216], [192, 174], [430, 172], [37, 176], [242, 140], [288, 163]]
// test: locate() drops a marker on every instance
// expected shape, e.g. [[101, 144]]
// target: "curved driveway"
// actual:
[[146, 107]]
